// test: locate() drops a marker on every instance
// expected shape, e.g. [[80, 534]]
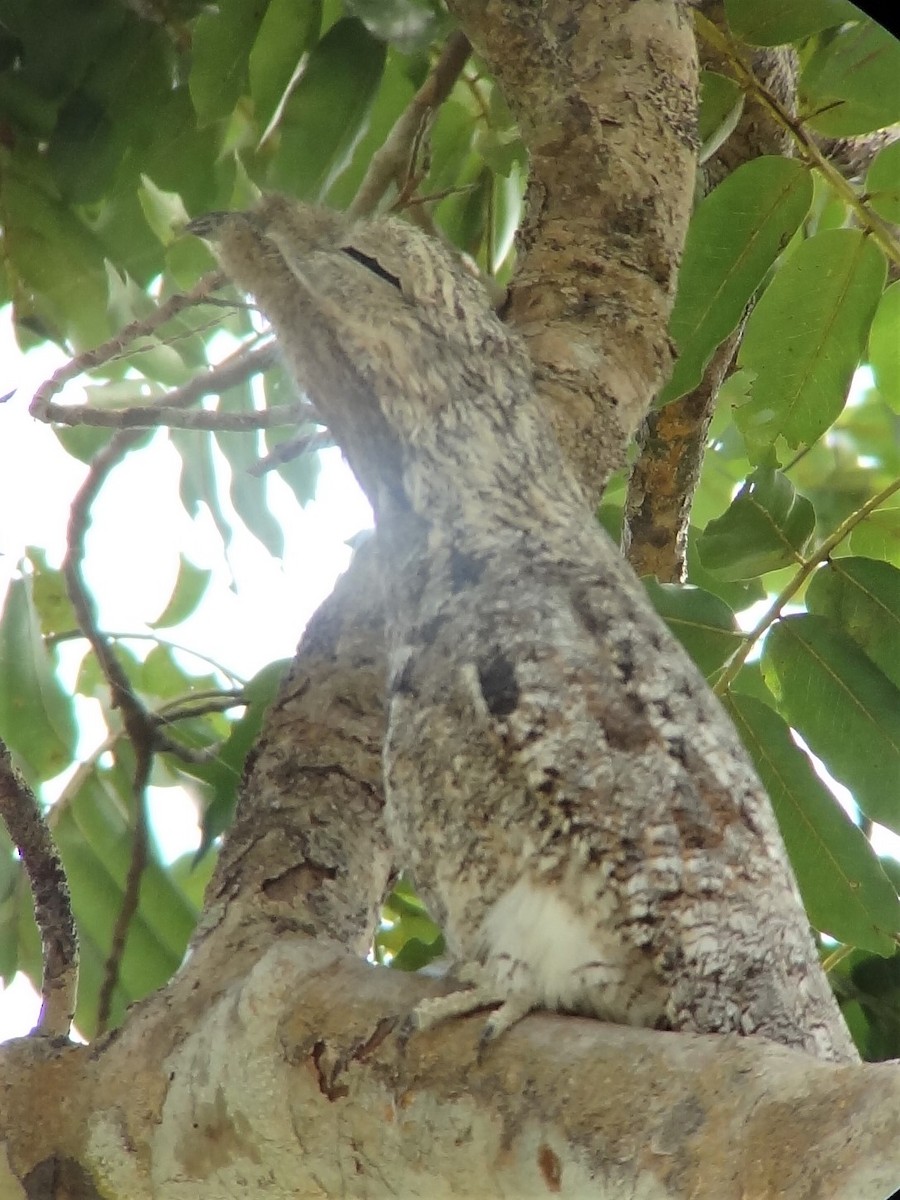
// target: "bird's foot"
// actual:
[[510, 1009]]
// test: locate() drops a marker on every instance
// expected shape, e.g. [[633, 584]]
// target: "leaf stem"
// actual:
[[807, 566], [879, 229]]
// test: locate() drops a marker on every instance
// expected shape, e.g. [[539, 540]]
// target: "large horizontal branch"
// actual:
[[286, 1078]]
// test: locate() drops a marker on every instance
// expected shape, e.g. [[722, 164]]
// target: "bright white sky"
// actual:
[[132, 561]]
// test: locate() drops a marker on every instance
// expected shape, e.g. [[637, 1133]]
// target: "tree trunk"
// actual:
[[271, 1064]]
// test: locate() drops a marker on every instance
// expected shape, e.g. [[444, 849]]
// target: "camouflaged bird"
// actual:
[[573, 804]]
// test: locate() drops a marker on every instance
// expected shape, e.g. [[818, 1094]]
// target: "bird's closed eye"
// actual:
[[373, 265]]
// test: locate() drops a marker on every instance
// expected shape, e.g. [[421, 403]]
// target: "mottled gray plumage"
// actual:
[[575, 807]]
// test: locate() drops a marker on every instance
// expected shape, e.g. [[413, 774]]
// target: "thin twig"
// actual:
[[150, 417], [246, 361], [115, 346], [390, 163], [52, 903], [287, 451], [201, 705], [112, 966], [835, 957], [880, 230], [807, 566], [69, 635], [137, 720]]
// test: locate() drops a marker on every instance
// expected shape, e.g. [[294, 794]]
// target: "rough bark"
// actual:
[[672, 441], [230, 1081], [605, 98], [572, 801], [664, 477], [580, 254], [308, 849], [277, 1079]]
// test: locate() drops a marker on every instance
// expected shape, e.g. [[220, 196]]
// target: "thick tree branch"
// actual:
[[664, 477], [308, 849], [31, 836], [672, 441], [277, 1073], [603, 93]]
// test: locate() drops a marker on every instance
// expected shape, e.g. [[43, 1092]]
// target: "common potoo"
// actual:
[[570, 798]]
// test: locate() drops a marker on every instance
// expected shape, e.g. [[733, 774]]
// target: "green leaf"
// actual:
[[884, 344], [160, 676], [189, 589], [721, 105], [56, 260], [83, 442], [883, 182], [452, 137], [874, 984], [49, 594], [703, 623], [58, 42], [128, 243], [249, 493], [851, 84], [415, 954], [220, 44], [846, 710], [95, 839], [773, 22], [105, 124], [394, 94], [25, 108], [843, 885], [734, 237], [301, 474], [862, 596], [806, 336], [165, 211], [749, 682], [328, 109], [250, 497], [767, 526], [158, 362], [287, 31], [199, 483], [223, 775], [182, 157], [878, 536], [90, 680], [737, 594], [407, 938], [36, 718]]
